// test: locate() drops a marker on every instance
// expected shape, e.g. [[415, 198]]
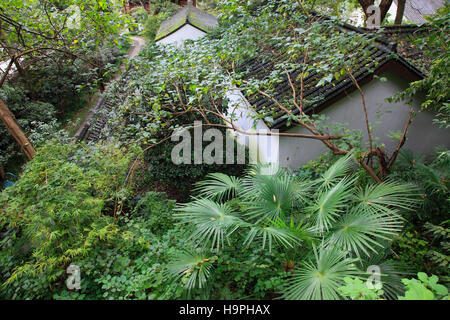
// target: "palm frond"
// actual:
[[212, 222], [270, 236], [320, 279], [330, 204], [338, 170], [391, 274], [273, 199], [265, 169], [194, 267], [361, 232], [434, 179], [218, 186], [386, 197], [300, 231], [301, 189], [255, 179]]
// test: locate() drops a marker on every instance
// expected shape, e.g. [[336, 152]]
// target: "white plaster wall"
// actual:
[[422, 135], [182, 34], [262, 148]]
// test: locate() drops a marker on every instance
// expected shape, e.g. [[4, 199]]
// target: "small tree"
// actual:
[[32, 29]]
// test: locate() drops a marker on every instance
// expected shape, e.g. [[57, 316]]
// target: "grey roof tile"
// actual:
[[188, 14]]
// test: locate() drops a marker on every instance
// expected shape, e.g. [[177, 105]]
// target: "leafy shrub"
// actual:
[[139, 14], [133, 266], [325, 226], [51, 92], [29, 114], [441, 236], [424, 242], [356, 289], [424, 288], [152, 24], [248, 273], [412, 249], [180, 179], [62, 207], [160, 11], [157, 211]]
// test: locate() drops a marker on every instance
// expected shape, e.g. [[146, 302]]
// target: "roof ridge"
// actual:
[[189, 14]]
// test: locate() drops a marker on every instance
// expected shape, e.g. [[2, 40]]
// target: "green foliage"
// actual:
[[271, 208], [412, 248], [424, 244], [140, 14], [319, 279], [179, 85], [193, 268], [152, 24], [30, 115], [134, 267], [355, 289], [156, 210], [60, 210], [178, 180], [424, 288], [434, 44], [243, 272], [47, 95], [268, 234], [441, 235], [159, 11], [71, 27]]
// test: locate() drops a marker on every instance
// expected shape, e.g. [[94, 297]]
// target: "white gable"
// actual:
[[187, 32]]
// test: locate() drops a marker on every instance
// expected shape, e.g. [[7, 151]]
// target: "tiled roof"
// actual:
[[315, 96], [404, 37], [187, 15]]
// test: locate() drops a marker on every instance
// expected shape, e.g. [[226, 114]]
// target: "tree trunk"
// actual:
[[400, 11], [2, 173], [19, 67], [384, 7], [11, 124]]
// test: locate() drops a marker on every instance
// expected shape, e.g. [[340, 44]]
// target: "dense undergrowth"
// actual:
[[219, 231], [130, 245]]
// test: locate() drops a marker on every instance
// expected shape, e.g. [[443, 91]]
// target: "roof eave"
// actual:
[[180, 27], [335, 95]]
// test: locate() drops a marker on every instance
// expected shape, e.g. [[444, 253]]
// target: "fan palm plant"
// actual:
[[332, 221], [193, 267]]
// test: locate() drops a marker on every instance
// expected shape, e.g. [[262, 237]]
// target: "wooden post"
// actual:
[[11, 124]]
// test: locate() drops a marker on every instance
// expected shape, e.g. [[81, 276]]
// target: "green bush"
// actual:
[[327, 227], [151, 25], [157, 211], [29, 114], [178, 180], [63, 207], [423, 288], [356, 289], [423, 242]]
